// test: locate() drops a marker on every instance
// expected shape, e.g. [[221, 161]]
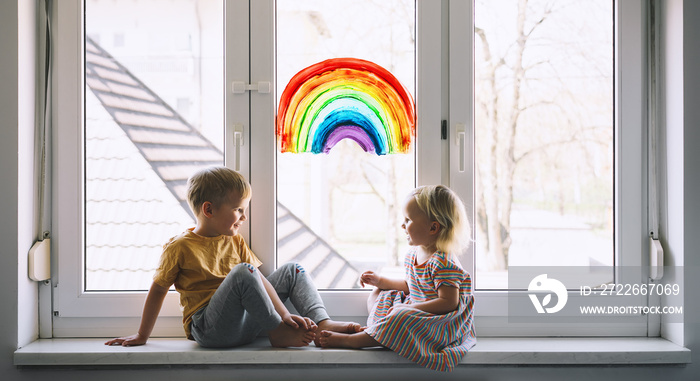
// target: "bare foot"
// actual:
[[340, 326], [285, 336], [337, 326], [330, 339]]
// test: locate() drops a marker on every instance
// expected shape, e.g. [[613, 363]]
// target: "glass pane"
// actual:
[[154, 111], [544, 135], [339, 213]]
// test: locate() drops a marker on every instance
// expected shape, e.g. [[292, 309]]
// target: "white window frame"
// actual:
[[630, 158], [83, 314], [442, 92]]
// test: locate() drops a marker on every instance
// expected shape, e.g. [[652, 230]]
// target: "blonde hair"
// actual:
[[215, 185], [443, 205]]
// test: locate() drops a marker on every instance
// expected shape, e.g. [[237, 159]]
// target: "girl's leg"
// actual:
[[372, 298], [239, 310], [329, 339]]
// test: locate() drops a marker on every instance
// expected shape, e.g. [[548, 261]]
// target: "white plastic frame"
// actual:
[[441, 94]]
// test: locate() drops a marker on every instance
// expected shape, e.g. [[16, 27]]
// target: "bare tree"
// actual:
[[505, 81]]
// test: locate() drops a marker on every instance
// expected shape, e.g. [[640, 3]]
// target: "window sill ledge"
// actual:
[[489, 350]]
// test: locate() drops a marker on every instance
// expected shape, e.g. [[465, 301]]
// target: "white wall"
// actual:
[[17, 205], [691, 171], [9, 119], [27, 205]]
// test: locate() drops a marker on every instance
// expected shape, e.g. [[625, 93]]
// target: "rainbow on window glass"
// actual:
[[345, 98]]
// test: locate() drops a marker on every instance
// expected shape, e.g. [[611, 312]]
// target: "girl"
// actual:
[[427, 317]]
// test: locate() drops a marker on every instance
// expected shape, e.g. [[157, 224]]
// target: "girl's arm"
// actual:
[[446, 302], [289, 319], [151, 309], [383, 283]]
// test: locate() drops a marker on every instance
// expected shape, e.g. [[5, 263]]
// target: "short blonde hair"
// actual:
[[215, 185], [441, 204]]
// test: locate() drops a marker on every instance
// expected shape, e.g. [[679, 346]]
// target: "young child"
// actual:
[[427, 317], [226, 301]]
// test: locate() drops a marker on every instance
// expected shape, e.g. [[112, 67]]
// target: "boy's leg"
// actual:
[[239, 310], [291, 282]]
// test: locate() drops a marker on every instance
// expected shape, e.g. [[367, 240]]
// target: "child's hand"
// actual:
[[296, 321], [369, 278], [128, 341]]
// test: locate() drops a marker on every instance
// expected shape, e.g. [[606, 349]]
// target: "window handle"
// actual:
[[461, 143], [239, 87], [234, 135]]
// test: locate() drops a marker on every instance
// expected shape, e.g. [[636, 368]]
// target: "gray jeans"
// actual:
[[240, 308]]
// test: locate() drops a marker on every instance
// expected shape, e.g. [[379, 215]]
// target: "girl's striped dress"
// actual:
[[437, 342]]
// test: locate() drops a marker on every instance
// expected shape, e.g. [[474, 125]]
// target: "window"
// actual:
[[272, 53], [153, 114], [436, 67], [625, 136], [543, 136], [338, 212]]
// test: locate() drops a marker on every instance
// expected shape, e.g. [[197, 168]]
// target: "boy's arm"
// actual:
[[289, 319], [151, 309]]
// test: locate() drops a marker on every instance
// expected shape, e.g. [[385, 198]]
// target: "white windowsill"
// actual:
[[489, 350]]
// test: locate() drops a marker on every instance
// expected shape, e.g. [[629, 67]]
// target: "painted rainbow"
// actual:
[[345, 98]]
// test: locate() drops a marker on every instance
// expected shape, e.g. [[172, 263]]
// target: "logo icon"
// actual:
[[542, 284]]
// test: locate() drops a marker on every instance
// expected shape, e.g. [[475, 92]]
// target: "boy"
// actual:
[[226, 301]]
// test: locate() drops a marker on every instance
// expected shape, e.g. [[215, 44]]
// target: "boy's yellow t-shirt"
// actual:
[[197, 265]]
